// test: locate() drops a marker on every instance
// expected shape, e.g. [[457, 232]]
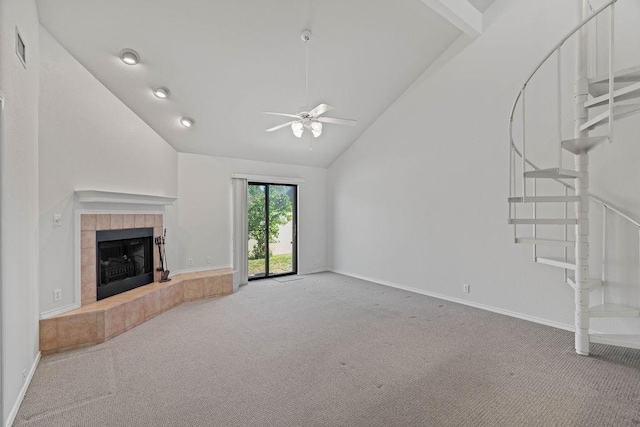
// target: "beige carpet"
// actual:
[[334, 351]]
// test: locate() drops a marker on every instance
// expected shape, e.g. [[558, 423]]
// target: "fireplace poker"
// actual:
[[162, 250], [159, 244]]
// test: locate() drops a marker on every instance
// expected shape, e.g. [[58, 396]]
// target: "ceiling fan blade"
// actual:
[[281, 126], [281, 114], [320, 109], [335, 121]]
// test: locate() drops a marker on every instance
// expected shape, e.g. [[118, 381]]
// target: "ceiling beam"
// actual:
[[460, 13]]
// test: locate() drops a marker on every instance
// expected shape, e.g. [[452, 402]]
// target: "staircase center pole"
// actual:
[[581, 92]]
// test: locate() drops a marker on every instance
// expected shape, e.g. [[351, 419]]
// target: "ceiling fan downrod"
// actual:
[[306, 36]]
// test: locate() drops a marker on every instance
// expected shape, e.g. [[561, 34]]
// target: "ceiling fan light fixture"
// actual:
[[298, 129], [129, 56], [187, 122], [161, 92], [316, 129]]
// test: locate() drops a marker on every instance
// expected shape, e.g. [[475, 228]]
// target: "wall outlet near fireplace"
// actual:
[[190, 261], [57, 294], [209, 260]]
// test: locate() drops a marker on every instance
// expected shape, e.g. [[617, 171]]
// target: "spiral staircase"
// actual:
[[563, 189]]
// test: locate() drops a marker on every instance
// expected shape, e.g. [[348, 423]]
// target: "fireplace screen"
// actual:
[[124, 260]]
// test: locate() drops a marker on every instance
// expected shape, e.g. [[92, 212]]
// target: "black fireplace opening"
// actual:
[[124, 260]]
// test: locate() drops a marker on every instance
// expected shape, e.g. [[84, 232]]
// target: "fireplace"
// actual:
[[90, 225], [124, 260]]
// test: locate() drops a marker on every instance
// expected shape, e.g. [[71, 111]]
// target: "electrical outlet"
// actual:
[[209, 260], [24, 376], [465, 288], [190, 261], [57, 220], [57, 294]]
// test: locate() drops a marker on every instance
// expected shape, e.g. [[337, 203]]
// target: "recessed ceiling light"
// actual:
[[187, 122], [129, 56], [161, 92]]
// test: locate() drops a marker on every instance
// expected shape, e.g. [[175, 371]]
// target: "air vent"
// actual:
[[21, 49]]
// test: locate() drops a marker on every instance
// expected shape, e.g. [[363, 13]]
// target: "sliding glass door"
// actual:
[[272, 220]]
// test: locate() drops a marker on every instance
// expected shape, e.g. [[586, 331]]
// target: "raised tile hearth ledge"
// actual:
[[97, 196], [100, 321]]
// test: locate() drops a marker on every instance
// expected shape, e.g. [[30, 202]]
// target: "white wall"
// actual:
[[19, 168], [88, 140], [205, 210], [420, 199]]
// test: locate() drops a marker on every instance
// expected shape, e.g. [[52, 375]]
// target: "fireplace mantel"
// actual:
[[98, 196]]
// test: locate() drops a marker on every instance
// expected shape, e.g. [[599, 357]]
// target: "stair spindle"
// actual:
[[604, 249], [524, 138], [535, 212], [559, 107], [611, 73]]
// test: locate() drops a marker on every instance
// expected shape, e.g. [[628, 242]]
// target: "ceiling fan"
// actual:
[[309, 118]]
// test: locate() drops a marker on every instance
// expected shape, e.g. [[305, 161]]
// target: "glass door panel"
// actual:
[[257, 220], [272, 230], [282, 230]]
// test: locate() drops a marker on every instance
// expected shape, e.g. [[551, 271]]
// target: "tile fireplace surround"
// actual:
[[97, 321], [89, 224]]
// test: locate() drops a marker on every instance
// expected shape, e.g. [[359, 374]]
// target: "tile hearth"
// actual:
[[96, 322]]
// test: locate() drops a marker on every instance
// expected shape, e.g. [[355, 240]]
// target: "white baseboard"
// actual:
[[509, 313], [23, 391], [56, 311], [318, 270]]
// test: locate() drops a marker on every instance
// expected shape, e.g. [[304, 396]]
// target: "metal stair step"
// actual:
[[631, 74], [546, 242], [593, 283], [556, 262], [602, 88], [554, 173], [603, 118], [583, 145], [620, 340], [627, 93], [544, 199], [600, 85], [543, 221], [613, 310]]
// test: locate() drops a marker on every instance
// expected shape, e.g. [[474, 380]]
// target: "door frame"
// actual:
[[295, 228], [2, 160]]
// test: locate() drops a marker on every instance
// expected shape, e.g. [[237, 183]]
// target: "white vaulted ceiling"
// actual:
[[481, 5], [226, 61]]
